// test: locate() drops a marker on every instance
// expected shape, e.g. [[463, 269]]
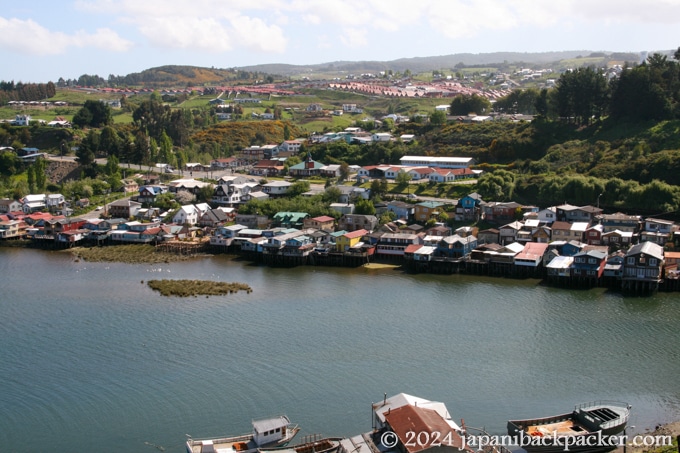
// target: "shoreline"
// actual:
[[666, 429]]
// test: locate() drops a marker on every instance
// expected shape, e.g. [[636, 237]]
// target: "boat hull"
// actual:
[[591, 427]]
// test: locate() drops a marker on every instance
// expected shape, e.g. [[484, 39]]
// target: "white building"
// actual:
[[440, 162]]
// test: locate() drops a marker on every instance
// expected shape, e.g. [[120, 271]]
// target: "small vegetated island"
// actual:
[[188, 288]]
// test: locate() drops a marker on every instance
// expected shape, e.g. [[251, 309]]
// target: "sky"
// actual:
[[43, 40]]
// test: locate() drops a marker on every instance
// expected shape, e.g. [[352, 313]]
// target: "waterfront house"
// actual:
[[426, 210], [323, 222], [503, 258], [547, 216], [413, 229], [33, 203], [468, 207], [401, 209], [54, 201], [671, 259], [443, 231], [642, 267], [489, 236], [124, 208], [71, 237], [8, 205], [560, 268], [253, 220], [593, 234], [657, 230], [613, 269], [288, 219], [508, 233], [531, 255], [589, 264], [617, 238], [187, 215], [479, 253], [655, 237], [224, 234], [353, 222], [620, 221], [349, 239], [500, 212], [59, 225], [111, 224], [213, 218], [394, 244], [12, 229], [541, 234], [560, 230], [456, 246], [570, 213], [577, 231]]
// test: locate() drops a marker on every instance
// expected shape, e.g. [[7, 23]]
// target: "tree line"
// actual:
[[10, 91]]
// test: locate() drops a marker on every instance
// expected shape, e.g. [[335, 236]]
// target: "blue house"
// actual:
[[468, 207], [456, 246], [401, 209]]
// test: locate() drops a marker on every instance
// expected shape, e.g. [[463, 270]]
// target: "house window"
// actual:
[[630, 260], [591, 261], [643, 260], [652, 261]]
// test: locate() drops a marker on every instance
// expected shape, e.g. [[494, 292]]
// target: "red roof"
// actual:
[[324, 218], [355, 234], [532, 251], [408, 419], [412, 248]]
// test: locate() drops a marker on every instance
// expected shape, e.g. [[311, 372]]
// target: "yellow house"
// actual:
[[348, 240], [426, 210]]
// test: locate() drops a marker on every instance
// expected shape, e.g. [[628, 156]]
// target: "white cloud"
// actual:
[[354, 37], [27, 36], [256, 35], [186, 33]]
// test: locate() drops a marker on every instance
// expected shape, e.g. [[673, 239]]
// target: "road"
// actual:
[[130, 169]]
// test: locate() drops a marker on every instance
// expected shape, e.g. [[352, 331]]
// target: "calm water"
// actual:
[[92, 359]]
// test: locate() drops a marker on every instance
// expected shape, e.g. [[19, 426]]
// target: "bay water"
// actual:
[[91, 359]]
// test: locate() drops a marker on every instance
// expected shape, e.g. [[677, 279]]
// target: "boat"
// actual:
[[315, 445], [267, 433], [588, 428]]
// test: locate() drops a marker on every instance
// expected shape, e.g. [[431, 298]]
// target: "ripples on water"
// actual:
[[91, 358]]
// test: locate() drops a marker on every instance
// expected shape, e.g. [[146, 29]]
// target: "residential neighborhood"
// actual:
[[565, 245]]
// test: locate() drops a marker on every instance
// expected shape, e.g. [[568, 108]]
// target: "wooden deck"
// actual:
[[562, 428]]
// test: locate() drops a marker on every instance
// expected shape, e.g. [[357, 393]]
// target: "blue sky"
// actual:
[[43, 40]]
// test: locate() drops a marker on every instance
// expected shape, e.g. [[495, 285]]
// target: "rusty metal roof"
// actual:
[[420, 429]]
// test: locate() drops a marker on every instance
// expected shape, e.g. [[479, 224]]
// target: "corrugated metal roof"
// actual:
[[269, 424], [421, 420]]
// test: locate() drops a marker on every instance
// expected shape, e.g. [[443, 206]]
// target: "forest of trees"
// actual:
[[10, 91]]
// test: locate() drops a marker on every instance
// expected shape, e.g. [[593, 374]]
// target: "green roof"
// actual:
[[431, 204], [303, 166], [290, 216]]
